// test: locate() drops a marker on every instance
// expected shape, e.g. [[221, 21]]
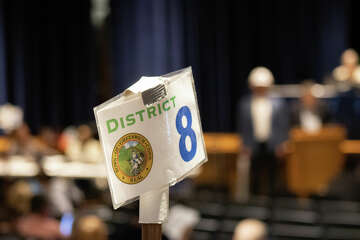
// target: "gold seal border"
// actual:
[[149, 158]]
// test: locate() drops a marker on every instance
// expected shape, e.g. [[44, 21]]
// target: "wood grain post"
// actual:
[[151, 232]]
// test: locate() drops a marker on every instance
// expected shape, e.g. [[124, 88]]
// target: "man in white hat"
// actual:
[[263, 125]]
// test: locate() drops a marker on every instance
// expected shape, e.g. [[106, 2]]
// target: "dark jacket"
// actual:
[[279, 124], [321, 110]]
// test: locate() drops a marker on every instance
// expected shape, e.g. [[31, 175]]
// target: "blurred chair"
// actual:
[[224, 236], [349, 219], [339, 206], [294, 203], [294, 211], [222, 149], [213, 210], [341, 219], [294, 216], [336, 233], [289, 231], [240, 212], [314, 159], [340, 213], [207, 225], [228, 226], [198, 235], [38, 224]]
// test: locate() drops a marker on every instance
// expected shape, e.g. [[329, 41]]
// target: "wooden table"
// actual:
[[221, 168], [223, 149], [350, 147], [228, 143]]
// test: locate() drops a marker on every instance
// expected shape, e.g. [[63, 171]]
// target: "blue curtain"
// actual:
[[223, 41], [3, 83], [148, 39], [157, 37], [50, 61]]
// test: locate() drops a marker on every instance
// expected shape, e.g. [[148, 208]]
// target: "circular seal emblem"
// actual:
[[132, 158]]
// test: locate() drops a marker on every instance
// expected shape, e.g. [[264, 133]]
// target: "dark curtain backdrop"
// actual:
[[223, 41], [3, 82], [50, 60]]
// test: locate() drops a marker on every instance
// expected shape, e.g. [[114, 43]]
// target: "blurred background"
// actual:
[[278, 85]]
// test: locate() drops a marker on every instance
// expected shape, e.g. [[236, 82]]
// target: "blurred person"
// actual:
[[347, 77], [93, 202], [263, 125], [37, 224], [89, 227], [22, 142], [48, 139], [18, 197], [80, 145], [18, 133], [348, 73], [309, 113], [63, 195], [67, 136], [184, 218], [250, 229], [7, 214], [11, 117]]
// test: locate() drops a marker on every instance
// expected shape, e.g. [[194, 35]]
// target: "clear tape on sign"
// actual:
[[154, 206]]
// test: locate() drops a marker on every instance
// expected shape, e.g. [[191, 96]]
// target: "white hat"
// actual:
[[261, 77], [11, 117]]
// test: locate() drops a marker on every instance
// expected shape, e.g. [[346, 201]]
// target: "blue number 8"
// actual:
[[184, 132]]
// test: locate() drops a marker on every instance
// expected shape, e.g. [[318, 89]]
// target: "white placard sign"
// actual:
[[150, 146]]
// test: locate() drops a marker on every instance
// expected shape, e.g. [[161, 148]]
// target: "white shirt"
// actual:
[[309, 121], [261, 112]]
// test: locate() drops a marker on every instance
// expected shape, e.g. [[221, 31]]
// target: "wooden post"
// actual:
[[151, 232]]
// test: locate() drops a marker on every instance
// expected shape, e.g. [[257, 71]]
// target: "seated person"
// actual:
[[22, 142], [18, 197], [37, 224], [48, 139], [80, 144], [89, 227], [309, 113]]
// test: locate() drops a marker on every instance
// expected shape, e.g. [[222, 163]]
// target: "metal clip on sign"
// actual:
[[154, 95]]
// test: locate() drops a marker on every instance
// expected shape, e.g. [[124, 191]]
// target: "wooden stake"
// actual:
[[151, 232]]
